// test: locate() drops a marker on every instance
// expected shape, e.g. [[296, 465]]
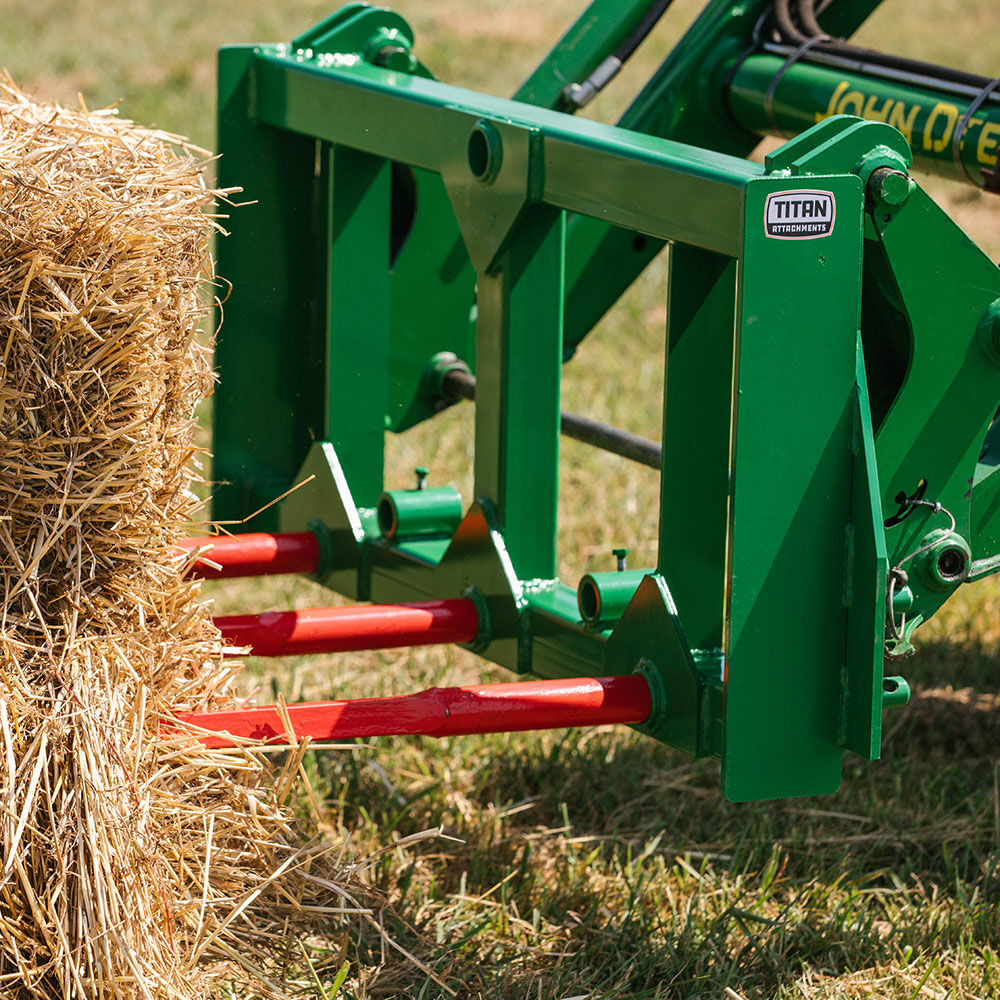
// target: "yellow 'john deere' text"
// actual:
[[933, 127]]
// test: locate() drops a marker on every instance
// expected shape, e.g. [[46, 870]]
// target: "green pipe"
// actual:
[[927, 117], [895, 692], [603, 597], [435, 510]]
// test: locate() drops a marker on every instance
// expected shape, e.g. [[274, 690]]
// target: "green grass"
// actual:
[[596, 863]]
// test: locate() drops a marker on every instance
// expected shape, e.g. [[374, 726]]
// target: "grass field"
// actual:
[[595, 863]]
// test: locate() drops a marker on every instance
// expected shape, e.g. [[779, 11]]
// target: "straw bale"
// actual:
[[130, 865]]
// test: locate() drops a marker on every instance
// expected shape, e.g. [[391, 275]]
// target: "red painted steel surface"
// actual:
[[338, 630], [485, 708], [256, 554]]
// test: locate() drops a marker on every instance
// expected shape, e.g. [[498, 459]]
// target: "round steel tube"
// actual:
[[257, 554], [435, 510], [341, 630], [603, 597], [484, 708], [458, 384]]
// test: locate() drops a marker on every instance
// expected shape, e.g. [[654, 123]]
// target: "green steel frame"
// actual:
[[815, 376]]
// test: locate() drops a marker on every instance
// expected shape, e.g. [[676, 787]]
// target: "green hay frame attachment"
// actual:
[[833, 355]]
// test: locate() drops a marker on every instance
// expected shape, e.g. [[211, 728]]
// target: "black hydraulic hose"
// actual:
[[904, 64], [656, 10], [790, 32], [458, 384], [869, 61], [807, 16], [786, 26], [835, 52], [576, 95], [790, 35]]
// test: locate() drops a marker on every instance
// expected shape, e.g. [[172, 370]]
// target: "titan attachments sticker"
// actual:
[[799, 215]]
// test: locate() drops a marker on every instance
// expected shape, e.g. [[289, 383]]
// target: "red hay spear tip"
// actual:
[[254, 554], [459, 711]]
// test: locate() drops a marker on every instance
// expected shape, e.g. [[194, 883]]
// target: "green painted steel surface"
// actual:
[[583, 166], [936, 425], [683, 100], [697, 432], [761, 629], [799, 304], [602, 597], [517, 395], [357, 316], [865, 586], [650, 638], [434, 510], [273, 350]]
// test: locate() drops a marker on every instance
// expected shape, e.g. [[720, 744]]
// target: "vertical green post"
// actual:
[[272, 346], [696, 433], [519, 359], [799, 313], [357, 361]]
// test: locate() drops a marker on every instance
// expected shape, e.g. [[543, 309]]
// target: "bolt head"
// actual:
[[890, 188], [397, 58]]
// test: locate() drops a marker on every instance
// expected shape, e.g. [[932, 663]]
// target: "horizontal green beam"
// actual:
[[624, 178]]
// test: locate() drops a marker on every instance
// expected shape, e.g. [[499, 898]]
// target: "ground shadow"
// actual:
[[921, 818]]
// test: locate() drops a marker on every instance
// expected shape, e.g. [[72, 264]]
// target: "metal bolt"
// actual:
[[889, 189], [620, 555], [421, 472], [396, 57], [390, 48]]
